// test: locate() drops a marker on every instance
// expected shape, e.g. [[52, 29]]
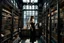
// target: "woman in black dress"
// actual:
[[32, 29]]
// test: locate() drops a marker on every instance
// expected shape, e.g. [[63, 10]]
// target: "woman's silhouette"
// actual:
[[32, 29]]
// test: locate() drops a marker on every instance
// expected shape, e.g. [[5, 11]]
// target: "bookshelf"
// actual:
[[52, 30], [9, 19]]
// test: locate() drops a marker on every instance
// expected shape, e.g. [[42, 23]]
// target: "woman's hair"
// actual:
[[31, 18]]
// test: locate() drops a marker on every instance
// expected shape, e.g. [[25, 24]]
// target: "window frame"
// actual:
[[27, 12]]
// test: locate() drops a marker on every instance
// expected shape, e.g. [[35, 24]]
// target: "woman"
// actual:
[[32, 29]]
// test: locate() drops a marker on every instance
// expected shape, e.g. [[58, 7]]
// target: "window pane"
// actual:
[[26, 1], [25, 12], [12, 1], [36, 13], [24, 16], [35, 20], [28, 13], [24, 7], [35, 7], [27, 6], [30, 7], [33, 13], [32, 1]]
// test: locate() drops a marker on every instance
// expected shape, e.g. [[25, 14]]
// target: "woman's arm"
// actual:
[[33, 20]]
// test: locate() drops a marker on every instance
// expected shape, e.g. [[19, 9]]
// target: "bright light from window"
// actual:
[[30, 7], [33, 6], [24, 16], [27, 15], [11, 1], [36, 13], [26, 1], [32, 1], [45, 4], [27, 6], [24, 7]]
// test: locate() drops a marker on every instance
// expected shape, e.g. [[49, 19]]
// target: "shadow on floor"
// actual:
[[37, 41]]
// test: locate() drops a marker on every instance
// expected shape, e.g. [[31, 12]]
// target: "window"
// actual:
[[29, 13], [14, 3], [32, 1], [11, 1], [30, 7]]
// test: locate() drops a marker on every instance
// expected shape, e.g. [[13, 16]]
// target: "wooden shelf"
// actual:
[[9, 30], [54, 39], [5, 40]]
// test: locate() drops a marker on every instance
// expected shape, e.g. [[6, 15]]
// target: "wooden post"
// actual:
[[58, 27], [0, 18]]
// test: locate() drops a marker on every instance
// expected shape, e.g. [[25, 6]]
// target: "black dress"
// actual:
[[32, 32]]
